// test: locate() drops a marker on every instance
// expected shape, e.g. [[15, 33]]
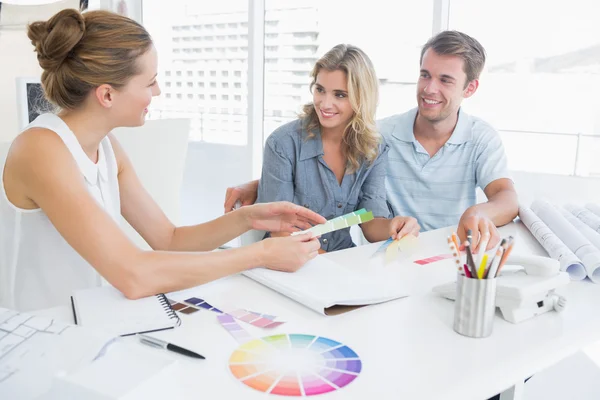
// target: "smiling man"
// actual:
[[439, 154]]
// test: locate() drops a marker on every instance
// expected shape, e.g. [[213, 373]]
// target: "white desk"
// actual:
[[408, 347]]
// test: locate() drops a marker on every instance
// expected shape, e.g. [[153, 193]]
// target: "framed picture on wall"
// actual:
[[31, 101]]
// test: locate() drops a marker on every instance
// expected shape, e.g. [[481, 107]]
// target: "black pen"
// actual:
[[150, 341]]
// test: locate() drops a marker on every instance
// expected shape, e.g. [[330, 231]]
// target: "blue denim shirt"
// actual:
[[294, 170]]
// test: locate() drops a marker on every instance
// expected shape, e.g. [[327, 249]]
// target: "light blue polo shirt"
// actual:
[[437, 190]]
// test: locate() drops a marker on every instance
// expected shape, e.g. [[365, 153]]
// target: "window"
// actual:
[[208, 32], [167, 73], [314, 29], [539, 85]]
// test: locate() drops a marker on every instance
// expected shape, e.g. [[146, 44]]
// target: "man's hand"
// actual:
[[245, 193], [479, 224], [281, 216], [402, 226]]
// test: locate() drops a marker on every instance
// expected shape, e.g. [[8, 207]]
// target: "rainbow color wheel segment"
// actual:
[[295, 365]]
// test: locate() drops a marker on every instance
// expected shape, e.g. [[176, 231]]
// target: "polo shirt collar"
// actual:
[[462, 131]]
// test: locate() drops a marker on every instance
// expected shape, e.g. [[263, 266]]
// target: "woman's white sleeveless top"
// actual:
[[38, 268]]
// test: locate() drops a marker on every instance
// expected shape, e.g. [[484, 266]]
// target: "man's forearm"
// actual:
[[501, 208]]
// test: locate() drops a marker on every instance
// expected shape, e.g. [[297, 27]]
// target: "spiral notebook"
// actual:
[[105, 308]]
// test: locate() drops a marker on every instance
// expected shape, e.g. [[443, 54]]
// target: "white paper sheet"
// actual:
[[588, 217], [121, 373], [34, 349], [569, 262], [578, 243], [41, 358]]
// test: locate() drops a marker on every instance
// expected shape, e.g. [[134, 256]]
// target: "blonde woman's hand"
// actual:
[[401, 226], [281, 216], [289, 253]]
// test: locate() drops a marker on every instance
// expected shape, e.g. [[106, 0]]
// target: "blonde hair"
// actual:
[[361, 138], [81, 51]]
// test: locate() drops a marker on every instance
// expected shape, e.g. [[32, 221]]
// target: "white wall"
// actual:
[[17, 59], [558, 189], [210, 169]]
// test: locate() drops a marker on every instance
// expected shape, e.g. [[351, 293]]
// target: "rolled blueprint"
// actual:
[[595, 208], [578, 243], [590, 219], [589, 233], [553, 245]]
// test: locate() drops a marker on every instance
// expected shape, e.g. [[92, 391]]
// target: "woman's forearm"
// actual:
[[151, 272], [212, 234]]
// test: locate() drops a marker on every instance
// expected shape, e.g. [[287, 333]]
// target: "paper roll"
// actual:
[[569, 262], [571, 237]]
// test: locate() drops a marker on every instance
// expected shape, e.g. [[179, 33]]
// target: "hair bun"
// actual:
[[56, 38]]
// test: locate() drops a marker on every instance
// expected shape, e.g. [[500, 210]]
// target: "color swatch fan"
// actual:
[[295, 365]]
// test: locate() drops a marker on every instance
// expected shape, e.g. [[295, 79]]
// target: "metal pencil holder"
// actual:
[[475, 306]]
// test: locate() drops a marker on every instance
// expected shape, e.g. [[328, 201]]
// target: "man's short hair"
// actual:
[[459, 44]]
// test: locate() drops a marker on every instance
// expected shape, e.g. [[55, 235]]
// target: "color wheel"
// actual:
[[295, 364]]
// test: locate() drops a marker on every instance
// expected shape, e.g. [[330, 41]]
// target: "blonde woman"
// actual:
[[331, 160]]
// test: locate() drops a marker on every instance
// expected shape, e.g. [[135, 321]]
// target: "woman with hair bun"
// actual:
[[66, 182]]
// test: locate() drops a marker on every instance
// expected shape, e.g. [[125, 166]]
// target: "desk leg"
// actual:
[[514, 393]]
